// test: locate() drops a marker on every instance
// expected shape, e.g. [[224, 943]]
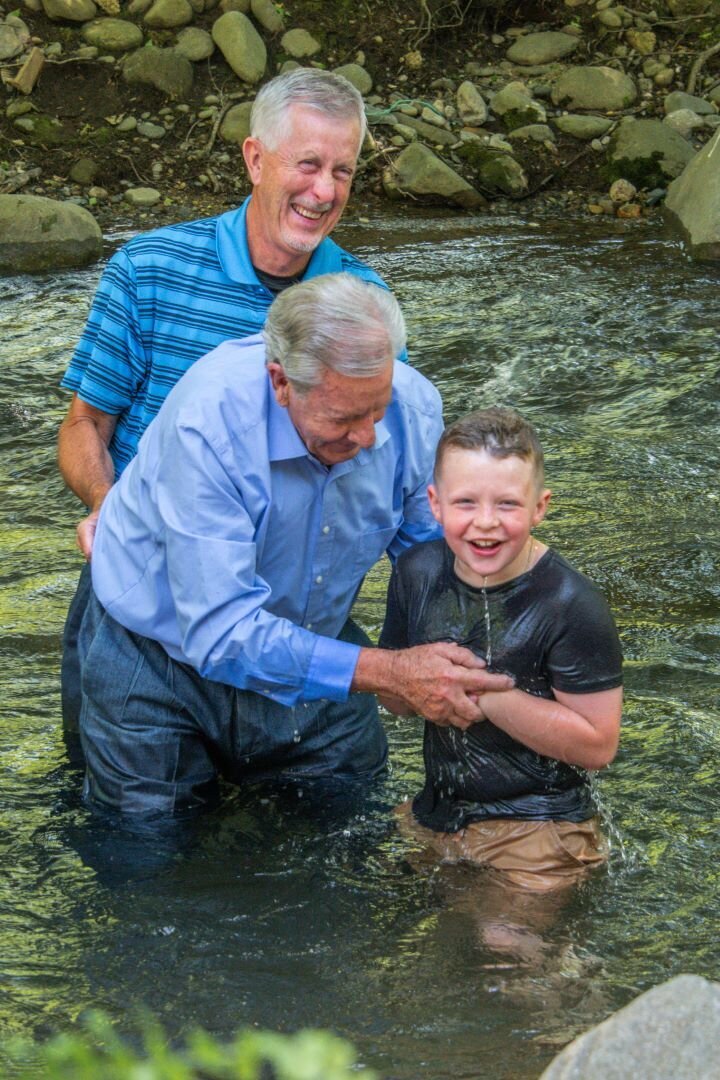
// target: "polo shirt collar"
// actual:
[[234, 254]]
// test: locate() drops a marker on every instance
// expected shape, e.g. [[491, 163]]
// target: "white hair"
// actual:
[[331, 95], [337, 322]]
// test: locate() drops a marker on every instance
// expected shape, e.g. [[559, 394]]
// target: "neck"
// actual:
[[265, 256]]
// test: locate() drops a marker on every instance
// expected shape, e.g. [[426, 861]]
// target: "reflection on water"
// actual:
[[283, 911]]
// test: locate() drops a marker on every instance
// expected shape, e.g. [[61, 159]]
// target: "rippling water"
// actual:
[[284, 913]]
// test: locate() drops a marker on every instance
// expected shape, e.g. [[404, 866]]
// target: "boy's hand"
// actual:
[[436, 681]]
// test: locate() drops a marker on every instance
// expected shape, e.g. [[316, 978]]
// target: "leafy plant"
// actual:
[[96, 1051]]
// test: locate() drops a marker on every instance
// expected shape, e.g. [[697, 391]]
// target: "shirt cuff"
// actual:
[[331, 670]]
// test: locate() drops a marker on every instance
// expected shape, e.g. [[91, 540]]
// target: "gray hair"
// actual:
[[332, 95], [334, 321]]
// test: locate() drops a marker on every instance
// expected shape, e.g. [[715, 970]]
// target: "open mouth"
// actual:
[[303, 211], [485, 547]]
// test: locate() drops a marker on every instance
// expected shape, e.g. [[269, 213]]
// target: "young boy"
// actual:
[[511, 792]]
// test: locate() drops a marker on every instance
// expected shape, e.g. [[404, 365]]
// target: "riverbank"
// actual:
[[137, 111]]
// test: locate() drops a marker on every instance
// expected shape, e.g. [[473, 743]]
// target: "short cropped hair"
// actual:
[[501, 432], [334, 321], [332, 95]]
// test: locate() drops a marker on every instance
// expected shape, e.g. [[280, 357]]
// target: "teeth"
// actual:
[[304, 212], [484, 543]]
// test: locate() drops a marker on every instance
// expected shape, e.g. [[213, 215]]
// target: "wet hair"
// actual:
[[331, 95], [501, 432], [334, 321]]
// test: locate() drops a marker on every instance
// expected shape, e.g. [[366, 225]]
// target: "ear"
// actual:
[[280, 383], [434, 501], [541, 506], [252, 150]]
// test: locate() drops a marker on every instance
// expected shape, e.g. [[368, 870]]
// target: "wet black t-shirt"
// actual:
[[550, 627]]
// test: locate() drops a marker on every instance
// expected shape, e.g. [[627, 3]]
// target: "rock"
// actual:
[[595, 88], [664, 77], [516, 107], [582, 126], [299, 43], [138, 7], [680, 100], [235, 126], [195, 44], [168, 14], [692, 205], [19, 108], [356, 75], [647, 152], [436, 136], [629, 210], [142, 196], [84, 171], [265, 12], [72, 10], [622, 191], [499, 172], [243, 6], [112, 35], [432, 116], [542, 48], [672, 1032], [533, 133], [241, 45], [688, 7], [643, 42], [471, 105], [417, 171], [12, 41], [150, 131], [685, 122], [127, 124], [38, 234], [610, 19], [165, 69]]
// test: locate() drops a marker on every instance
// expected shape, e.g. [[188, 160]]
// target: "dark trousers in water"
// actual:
[[156, 735], [70, 691]]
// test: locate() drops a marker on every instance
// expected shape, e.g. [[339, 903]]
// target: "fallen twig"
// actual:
[[697, 66]]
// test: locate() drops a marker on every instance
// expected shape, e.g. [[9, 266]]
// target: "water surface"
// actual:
[[284, 912]]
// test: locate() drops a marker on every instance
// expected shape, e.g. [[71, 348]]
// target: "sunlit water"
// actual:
[[284, 913]]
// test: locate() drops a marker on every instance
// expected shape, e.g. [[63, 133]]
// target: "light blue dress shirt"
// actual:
[[228, 543]]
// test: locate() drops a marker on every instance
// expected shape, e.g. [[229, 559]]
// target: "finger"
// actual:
[[480, 682]]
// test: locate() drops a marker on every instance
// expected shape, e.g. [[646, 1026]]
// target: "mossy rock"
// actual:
[[645, 173], [46, 131], [517, 118]]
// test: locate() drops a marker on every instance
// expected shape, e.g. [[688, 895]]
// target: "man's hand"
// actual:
[[85, 533], [440, 682]]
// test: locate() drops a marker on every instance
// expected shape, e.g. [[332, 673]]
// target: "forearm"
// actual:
[[83, 456], [552, 728]]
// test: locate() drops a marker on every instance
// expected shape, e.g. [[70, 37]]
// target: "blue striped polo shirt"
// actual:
[[165, 299]]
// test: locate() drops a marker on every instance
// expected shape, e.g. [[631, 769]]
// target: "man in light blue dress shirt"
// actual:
[[227, 558]]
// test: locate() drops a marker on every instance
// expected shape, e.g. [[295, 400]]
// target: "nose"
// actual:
[[324, 187], [485, 517], [362, 433]]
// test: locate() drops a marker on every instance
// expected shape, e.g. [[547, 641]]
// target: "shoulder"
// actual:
[[567, 581], [229, 383], [412, 391], [184, 242], [422, 561]]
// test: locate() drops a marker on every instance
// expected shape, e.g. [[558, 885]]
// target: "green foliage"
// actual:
[[97, 1051]]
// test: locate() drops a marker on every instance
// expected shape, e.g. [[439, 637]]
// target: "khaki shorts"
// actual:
[[537, 855]]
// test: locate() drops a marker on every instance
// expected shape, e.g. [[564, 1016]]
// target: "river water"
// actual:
[[284, 913]]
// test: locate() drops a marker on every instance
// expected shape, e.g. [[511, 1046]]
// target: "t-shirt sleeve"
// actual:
[[110, 362], [586, 656], [394, 634]]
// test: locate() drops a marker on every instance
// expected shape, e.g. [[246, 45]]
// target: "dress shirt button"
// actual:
[[326, 529], [308, 626], [318, 579]]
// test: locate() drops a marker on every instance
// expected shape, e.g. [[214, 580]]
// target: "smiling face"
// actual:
[[487, 507], [335, 419], [300, 188]]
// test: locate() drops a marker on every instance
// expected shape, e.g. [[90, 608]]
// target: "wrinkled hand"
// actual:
[[85, 533], [444, 683]]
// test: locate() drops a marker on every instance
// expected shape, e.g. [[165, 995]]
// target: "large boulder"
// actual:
[[165, 69], [38, 234], [112, 35], [692, 204], [516, 107], [672, 1032], [542, 48], [241, 45], [420, 173], [647, 152], [594, 88]]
